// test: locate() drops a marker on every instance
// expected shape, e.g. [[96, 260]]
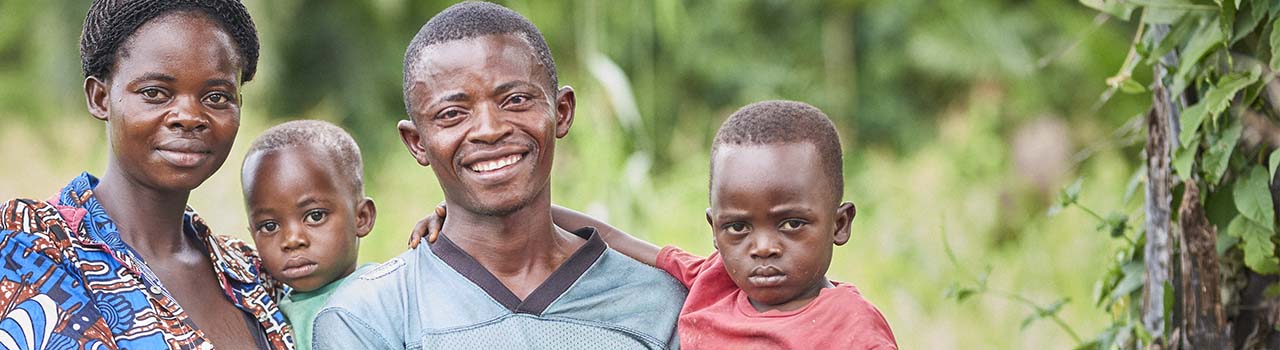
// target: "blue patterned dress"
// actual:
[[70, 282]]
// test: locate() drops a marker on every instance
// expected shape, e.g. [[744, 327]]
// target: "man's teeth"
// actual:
[[490, 165]]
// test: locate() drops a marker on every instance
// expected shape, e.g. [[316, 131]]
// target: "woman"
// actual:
[[121, 262]]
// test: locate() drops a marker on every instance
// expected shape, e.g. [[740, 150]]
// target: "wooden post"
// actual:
[[1204, 324]]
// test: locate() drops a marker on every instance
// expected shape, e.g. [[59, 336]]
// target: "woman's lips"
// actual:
[[298, 267], [183, 159]]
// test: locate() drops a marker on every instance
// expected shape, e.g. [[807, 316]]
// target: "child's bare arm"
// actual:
[[620, 241], [624, 243]]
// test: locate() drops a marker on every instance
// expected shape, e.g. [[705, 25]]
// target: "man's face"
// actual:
[[484, 118]]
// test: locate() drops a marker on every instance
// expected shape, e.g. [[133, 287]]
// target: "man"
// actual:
[[480, 88]]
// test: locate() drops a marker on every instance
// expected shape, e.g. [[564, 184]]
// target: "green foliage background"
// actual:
[[929, 97]]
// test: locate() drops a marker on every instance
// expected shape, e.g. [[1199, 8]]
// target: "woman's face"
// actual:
[[171, 102]]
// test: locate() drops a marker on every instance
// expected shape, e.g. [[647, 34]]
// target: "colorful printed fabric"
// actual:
[[70, 282]]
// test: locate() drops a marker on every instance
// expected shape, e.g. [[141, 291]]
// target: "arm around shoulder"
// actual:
[[620, 241]]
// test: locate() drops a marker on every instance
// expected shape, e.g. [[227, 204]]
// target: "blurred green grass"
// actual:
[[930, 98]]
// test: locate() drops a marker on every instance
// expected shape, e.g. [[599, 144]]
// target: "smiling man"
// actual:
[[485, 111]]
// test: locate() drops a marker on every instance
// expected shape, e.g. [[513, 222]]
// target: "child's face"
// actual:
[[486, 122], [774, 221], [171, 102], [304, 216]]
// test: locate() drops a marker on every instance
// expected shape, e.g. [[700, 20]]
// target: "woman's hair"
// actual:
[[111, 22]]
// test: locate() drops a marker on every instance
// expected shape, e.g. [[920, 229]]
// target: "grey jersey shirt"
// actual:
[[442, 298]]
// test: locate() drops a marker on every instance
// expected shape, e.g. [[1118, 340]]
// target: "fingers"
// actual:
[[419, 230], [436, 225]]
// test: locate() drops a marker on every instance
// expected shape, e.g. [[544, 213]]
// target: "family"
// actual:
[[119, 261]]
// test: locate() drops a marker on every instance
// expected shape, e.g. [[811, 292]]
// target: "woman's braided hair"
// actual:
[[110, 23]]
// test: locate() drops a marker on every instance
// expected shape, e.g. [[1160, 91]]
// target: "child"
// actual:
[[776, 183], [304, 194]]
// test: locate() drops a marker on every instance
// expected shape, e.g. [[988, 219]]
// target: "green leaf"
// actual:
[[1132, 87], [1215, 101], [1225, 242], [1205, 38], [1272, 291], [1119, 8], [1259, 252], [1273, 162], [1177, 35], [1218, 155], [1071, 193], [1257, 11], [1133, 276], [1043, 312], [1275, 44], [1252, 197], [1183, 157], [1115, 224]]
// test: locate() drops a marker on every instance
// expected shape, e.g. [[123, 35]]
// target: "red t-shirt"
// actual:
[[717, 314]]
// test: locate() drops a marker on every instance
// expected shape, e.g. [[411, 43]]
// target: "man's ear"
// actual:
[[366, 214], [566, 102], [413, 141], [95, 96], [844, 218]]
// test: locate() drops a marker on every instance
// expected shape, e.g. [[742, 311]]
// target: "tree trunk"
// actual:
[[1161, 124]]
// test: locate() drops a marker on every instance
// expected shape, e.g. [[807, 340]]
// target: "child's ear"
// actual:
[[366, 214], [844, 217], [95, 95], [413, 140], [713, 230], [565, 104]]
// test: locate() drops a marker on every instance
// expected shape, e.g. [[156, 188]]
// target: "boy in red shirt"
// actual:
[[776, 185]]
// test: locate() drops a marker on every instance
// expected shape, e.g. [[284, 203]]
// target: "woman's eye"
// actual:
[[316, 216], [218, 98], [792, 224], [736, 228]]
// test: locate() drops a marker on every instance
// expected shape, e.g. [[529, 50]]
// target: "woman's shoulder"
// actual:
[[35, 224]]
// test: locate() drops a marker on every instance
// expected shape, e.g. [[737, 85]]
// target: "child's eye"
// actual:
[[316, 216], [736, 228], [792, 224], [268, 227]]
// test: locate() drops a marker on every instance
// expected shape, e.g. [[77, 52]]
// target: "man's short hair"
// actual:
[[469, 20], [322, 135], [778, 122], [110, 23]]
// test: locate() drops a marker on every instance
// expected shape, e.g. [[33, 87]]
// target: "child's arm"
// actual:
[[620, 241], [624, 243]]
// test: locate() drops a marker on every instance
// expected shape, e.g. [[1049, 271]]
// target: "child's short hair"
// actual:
[[472, 19], [110, 23], [322, 135], [778, 121]]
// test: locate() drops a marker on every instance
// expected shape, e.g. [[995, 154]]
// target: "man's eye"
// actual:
[[316, 216], [449, 114], [518, 99], [736, 228]]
